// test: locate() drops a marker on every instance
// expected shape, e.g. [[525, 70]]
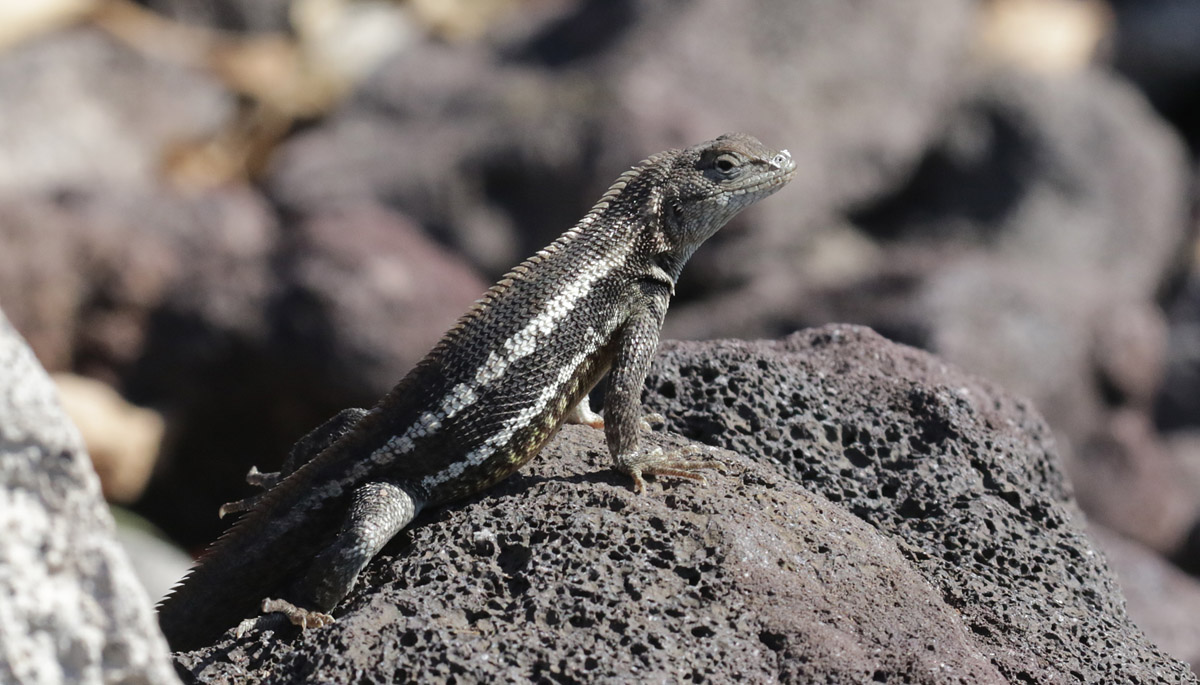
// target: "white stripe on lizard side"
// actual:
[[484, 451], [520, 345]]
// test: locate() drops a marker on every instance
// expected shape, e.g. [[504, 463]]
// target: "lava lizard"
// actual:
[[484, 401]]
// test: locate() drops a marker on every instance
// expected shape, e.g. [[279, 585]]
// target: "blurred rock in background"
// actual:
[[1157, 46], [248, 215]]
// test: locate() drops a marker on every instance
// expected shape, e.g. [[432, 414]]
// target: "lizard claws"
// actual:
[[657, 462], [276, 611], [299, 616], [649, 421], [236, 506], [258, 479]]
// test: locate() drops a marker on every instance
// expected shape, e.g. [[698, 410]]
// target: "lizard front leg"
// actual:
[[637, 342]]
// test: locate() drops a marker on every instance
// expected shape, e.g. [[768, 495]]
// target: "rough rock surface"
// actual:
[[563, 574], [72, 610], [963, 475], [942, 547]]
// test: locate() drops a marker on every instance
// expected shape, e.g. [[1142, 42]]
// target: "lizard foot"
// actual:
[[649, 421], [277, 613], [304, 618], [675, 462], [258, 479], [582, 414], [238, 506]]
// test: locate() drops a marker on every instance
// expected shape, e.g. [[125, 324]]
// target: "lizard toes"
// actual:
[[674, 463], [652, 420], [298, 616], [237, 506], [259, 479]]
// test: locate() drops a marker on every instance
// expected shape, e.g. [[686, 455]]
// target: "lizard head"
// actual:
[[713, 181]]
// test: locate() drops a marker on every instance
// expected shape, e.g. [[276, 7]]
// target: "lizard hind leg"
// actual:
[[258, 479], [582, 414], [379, 511]]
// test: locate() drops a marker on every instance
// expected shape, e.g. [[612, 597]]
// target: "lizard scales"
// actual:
[[488, 396]]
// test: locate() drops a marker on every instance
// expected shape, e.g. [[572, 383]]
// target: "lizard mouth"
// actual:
[[783, 168]]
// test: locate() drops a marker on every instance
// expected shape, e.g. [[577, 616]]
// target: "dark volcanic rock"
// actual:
[[563, 574], [73, 609], [1066, 185], [502, 150], [1069, 172], [244, 333], [89, 270], [1136, 485], [165, 297], [961, 473], [857, 91], [943, 547]]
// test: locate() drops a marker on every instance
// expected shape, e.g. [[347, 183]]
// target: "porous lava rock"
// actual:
[[563, 574], [961, 474]]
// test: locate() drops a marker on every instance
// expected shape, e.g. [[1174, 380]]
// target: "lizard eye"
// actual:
[[726, 163]]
